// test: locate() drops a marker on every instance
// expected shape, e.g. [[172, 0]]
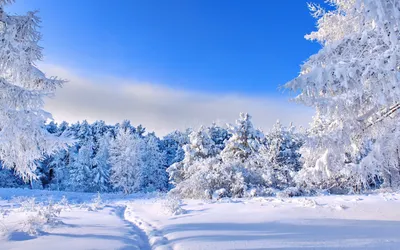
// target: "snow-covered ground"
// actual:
[[141, 222]]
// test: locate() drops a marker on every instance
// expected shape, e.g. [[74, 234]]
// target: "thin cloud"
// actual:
[[160, 108]]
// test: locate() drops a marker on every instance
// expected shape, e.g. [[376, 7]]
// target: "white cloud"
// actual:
[[161, 108]]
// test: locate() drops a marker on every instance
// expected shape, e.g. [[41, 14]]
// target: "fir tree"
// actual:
[[353, 83], [126, 160], [23, 137]]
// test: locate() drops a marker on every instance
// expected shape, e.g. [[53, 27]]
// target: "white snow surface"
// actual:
[[141, 222]]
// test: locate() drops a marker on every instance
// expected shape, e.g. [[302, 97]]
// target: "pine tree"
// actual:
[[200, 147], [126, 160], [101, 167], [173, 144], [353, 83], [206, 170], [23, 137], [245, 140], [219, 135], [154, 170], [80, 171], [280, 156]]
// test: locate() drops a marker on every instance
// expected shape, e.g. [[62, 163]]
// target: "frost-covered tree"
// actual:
[[23, 137], [206, 170], [219, 135], [173, 144], [154, 172], [101, 166], [200, 147], [353, 83], [80, 171], [126, 160], [280, 156], [245, 140]]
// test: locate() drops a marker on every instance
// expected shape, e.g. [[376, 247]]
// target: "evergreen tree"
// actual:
[[154, 169], [173, 144], [353, 83], [126, 160], [219, 135], [200, 147], [80, 171], [280, 155], [245, 140], [23, 137], [101, 167]]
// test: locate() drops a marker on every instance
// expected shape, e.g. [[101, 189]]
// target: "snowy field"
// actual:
[[86, 221]]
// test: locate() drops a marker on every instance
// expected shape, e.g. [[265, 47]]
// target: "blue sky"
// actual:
[[173, 64], [236, 46]]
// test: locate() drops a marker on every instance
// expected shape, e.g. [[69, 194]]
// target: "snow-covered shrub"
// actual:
[[28, 204], [97, 203], [49, 213], [64, 203], [3, 226], [39, 217], [218, 194], [173, 205]]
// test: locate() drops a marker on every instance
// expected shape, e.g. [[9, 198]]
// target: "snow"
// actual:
[[141, 222], [81, 229], [81, 225], [261, 223]]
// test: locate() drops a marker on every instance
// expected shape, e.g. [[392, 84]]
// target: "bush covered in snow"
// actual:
[[173, 205]]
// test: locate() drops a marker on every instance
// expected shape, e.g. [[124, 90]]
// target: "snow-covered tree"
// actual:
[[126, 160], [173, 144], [80, 171], [245, 140], [101, 167], [23, 137], [353, 83], [206, 170], [154, 168], [279, 157], [219, 135], [200, 147]]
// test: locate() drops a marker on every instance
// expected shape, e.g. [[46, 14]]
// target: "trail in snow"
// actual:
[[80, 229], [157, 240], [329, 222], [121, 222]]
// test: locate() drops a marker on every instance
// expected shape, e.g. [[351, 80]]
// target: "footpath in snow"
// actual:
[[103, 229], [30, 220], [328, 222]]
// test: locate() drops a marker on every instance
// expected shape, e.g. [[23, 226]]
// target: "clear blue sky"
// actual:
[[239, 46]]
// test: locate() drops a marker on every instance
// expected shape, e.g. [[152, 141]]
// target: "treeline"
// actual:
[[237, 160]]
